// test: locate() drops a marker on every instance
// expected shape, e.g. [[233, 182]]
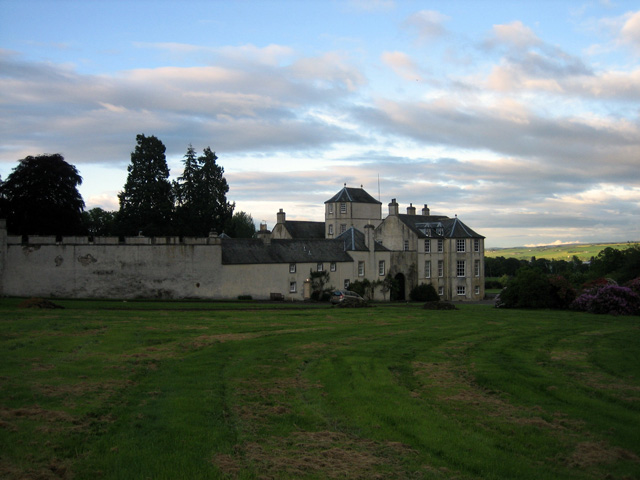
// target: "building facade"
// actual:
[[354, 243]]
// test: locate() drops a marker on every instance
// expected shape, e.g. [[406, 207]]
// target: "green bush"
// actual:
[[531, 288], [424, 293]]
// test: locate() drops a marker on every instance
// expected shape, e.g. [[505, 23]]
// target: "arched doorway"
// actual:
[[397, 292]]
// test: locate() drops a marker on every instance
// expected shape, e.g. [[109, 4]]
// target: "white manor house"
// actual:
[[354, 243]]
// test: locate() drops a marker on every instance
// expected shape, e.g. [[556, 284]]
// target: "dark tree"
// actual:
[[99, 222], [41, 197], [214, 209], [241, 226], [146, 203], [186, 193], [187, 183], [201, 192]]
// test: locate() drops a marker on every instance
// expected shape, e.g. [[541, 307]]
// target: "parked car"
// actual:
[[340, 296]]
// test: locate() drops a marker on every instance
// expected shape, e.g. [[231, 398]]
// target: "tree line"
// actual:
[[609, 283], [622, 265], [40, 197]]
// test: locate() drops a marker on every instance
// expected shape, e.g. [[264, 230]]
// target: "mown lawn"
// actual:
[[164, 391]]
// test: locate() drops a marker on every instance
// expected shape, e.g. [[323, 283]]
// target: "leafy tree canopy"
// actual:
[[41, 197], [99, 222], [241, 225]]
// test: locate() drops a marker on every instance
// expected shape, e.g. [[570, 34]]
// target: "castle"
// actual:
[[353, 243]]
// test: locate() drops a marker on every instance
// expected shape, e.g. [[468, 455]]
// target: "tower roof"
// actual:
[[355, 195]]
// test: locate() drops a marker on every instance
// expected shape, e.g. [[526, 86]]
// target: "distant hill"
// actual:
[[584, 251]]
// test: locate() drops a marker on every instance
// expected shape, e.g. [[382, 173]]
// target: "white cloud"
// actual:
[[402, 65], [514, 35], [428, 24], [630, 32]]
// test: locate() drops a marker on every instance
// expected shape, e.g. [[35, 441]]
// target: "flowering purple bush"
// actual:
[[634, 285], [611, 299]]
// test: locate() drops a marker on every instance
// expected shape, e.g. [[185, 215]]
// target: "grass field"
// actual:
[[583, 251], [166, 391]]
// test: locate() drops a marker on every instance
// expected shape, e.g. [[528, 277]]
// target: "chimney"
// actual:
[[411, 210], [281, 217], [368, 237], [393, 207], [425, 210], [264, 234]]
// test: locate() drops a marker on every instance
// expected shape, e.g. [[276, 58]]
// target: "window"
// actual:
[[476, 268], [460, 245], [320, 267], [477, 290], [292, 268], [427, 246], [333, 266], [331, 229], [460, 268], [343, 208], [331, 208], [347, 283], [441, 291], [441, 268], [427, 269], [476, 244], [381, 268], [462, 290], [343, 228], [440, 245], [361, 269], [292, 287], [406, 245]]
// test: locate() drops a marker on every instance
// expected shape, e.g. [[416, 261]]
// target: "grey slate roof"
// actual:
[[303, 229], [356, 195], [353, 239], [438, 226], [254, 251]]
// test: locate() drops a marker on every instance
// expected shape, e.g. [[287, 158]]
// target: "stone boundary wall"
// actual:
[[137, 267], [106, 270]]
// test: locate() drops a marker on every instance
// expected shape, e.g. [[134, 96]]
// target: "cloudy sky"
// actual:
[[523, 118]]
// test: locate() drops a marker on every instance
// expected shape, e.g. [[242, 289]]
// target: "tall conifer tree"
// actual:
[[201, 191], [146, 203]]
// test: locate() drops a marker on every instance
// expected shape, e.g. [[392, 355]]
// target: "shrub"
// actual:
[[424, 293], [361, 287], [438, 305], [634, 285], [562, 290], [531, 288], [528, 289], [245, 297], [321, 296], [609, 299]]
